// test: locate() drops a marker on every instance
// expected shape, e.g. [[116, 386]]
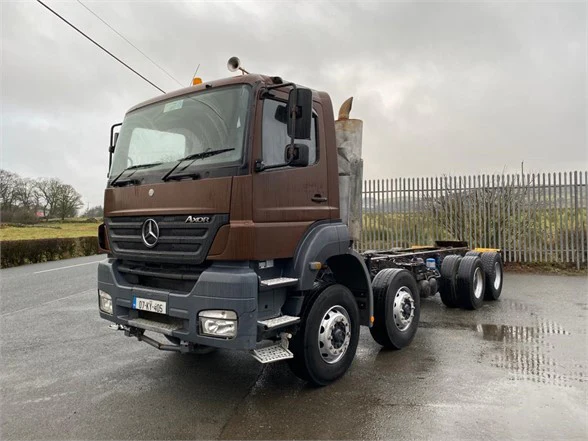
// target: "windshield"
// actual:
[[168, 131]]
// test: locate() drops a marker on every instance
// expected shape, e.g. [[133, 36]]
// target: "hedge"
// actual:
[[21, 252]]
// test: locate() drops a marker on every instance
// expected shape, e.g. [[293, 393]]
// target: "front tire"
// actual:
[[325, 345], [397, 308]]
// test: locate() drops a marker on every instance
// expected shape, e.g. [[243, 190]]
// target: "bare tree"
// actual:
[[27, 194], [67, 203], [48, 189], [9, 184]]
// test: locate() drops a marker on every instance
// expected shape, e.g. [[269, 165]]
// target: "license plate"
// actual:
[[149, 305]]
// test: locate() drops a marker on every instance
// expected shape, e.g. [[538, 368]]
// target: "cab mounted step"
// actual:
[[275, 352], [278, 282], [270, 328], [278, 322]]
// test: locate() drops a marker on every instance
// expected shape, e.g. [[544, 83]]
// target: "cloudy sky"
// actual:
[[443, 88]]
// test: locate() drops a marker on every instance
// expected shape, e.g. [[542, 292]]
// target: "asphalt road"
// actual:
[[515, 369]]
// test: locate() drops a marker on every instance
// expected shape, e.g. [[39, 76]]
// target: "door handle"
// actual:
[[318, 198]]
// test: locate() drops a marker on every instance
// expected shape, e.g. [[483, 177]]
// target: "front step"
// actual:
[[271, 354], [278, 282], [278, 322]]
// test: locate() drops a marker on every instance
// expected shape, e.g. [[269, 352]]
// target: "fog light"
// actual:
[[105, 302], [218, 323]]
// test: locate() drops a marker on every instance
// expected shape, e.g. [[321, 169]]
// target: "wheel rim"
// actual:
[[403, 309], [334, 334], [497, 275], [478, 283]]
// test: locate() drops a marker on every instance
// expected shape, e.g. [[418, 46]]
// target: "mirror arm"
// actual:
[[260, 166], [277, 86]]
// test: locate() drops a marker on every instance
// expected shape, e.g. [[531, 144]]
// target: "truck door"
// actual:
[[289, 194]]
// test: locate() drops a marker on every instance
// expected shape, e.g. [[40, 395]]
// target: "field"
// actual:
[[50, 230]]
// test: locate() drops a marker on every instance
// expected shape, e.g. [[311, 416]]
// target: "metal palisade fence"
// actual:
[[531, 217]]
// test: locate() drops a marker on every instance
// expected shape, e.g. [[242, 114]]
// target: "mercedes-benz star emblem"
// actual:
[[150, 233]]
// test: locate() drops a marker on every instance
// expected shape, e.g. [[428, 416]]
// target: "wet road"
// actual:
[[515, 369]]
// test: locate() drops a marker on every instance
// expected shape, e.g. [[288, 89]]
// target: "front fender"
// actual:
[[328, 242]]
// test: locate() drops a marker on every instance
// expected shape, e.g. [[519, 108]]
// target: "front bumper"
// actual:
[[227, 285]]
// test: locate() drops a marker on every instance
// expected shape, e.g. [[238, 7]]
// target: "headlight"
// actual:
[[105, 302], [218, 323]]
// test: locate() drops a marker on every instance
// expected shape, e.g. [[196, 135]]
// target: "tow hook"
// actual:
[[130, 331]]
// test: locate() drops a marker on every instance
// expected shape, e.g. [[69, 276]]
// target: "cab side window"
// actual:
[[275, 135]]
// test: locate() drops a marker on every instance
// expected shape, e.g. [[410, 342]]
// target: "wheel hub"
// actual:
[[478, 283], [403, 308], [334, 334], [338, 336], [497, 275]]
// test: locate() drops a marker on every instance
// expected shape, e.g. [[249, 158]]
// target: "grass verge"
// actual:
[[50, 230]]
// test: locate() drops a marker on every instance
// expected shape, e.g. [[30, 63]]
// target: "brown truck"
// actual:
[[231, 213]]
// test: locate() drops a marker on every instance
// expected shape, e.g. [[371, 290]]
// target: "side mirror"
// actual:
[[299, 113], [113, 139], [296, 155]]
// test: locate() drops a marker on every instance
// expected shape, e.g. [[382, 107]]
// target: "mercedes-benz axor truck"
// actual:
[[231, 213]]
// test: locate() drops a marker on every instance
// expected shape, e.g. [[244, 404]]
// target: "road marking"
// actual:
[[88, 291], [65, 267]]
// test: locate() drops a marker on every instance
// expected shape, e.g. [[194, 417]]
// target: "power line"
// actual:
[[101, 47], [125, 39]]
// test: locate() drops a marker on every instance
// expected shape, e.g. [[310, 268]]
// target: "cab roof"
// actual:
[[251, 79], [238, 79]]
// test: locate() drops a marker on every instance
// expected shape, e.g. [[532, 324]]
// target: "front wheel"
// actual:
[[325, 345]]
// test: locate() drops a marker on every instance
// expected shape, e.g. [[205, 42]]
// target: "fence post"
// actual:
[[576, 226]]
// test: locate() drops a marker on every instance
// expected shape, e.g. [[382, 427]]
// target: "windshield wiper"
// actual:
[[193, 157], [132, 167]]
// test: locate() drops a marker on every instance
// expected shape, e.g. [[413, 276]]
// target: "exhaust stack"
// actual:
[[348, 133]]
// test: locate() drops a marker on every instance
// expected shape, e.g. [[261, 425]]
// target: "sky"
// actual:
[[443, 88]]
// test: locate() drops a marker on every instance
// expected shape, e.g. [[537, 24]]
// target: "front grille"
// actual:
[[178, 242], [171, 277]]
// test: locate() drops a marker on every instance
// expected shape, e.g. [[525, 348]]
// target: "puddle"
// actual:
[[519, 333], [513, 305], [532, 364], [523, 351], [504, 332]]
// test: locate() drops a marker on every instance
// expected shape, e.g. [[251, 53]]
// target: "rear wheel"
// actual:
[[470, 282], [494, 270], [397, 308], [448, 282], [325, 345], [473, 253]]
